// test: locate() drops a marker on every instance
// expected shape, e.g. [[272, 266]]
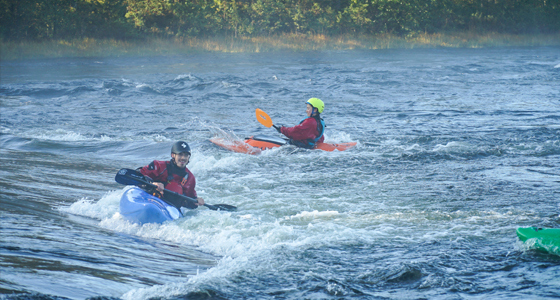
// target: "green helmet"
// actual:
[[317, 103]]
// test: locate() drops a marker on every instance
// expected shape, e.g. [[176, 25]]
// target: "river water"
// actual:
[[456, 149]]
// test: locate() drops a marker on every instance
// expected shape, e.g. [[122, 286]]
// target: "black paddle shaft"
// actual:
[[132, 177]]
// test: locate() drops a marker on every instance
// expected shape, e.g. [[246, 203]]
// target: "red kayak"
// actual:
[[258, 143]]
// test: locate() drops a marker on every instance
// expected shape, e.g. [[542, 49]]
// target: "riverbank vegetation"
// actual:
[[53, 28]]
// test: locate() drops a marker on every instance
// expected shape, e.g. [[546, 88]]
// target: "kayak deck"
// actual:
[[258, 143], [137, 206], [542, 239]]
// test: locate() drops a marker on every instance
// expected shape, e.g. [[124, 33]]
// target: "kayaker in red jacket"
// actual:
[[310, 130], [174, 174]]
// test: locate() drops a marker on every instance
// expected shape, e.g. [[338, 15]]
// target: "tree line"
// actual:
[[124, 19]]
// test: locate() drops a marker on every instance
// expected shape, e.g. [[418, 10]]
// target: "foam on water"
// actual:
[[185, 77], [63, 135], [241, 239], [104, 208]]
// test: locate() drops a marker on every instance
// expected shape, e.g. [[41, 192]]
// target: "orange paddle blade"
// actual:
[[263, 118]]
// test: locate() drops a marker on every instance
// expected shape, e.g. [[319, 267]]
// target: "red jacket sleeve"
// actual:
[[156, 170]]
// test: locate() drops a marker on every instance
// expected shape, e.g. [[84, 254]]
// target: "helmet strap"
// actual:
[[173, 160]]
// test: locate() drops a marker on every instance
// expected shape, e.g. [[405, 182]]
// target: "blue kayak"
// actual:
[[137, 206]]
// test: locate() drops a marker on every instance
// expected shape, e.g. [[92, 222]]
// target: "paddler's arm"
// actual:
[[302, 131], [150, 172]]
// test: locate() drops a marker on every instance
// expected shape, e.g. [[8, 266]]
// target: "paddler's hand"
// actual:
[[159, 186], [278, 128], [200, 201]]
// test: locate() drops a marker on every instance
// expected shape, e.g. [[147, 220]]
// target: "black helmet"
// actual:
[[180, 147]]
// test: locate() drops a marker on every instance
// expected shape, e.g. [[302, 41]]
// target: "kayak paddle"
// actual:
[[264, 119], [132, 177]]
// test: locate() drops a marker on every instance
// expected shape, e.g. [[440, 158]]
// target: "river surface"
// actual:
[[456, 149]]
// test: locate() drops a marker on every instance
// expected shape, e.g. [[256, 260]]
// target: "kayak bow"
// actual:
[[137, 206], [542, 239]]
